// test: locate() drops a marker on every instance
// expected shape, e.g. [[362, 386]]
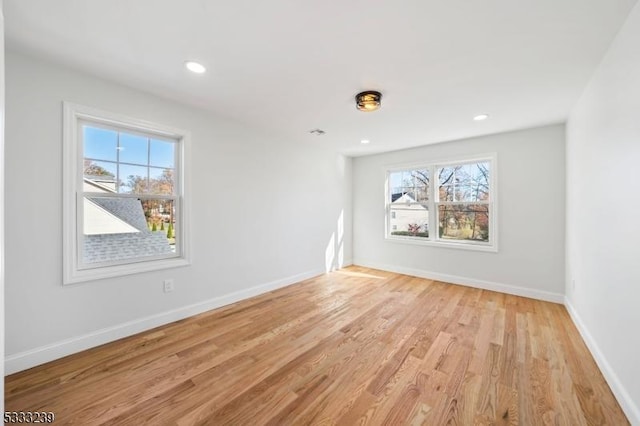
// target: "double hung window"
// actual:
[[124, 190], [449, 203]]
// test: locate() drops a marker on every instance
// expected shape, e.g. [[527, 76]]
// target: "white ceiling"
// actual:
[[290, 66]]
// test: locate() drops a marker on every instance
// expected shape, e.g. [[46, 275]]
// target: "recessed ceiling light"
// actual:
[[196, 67], [365, 141], [481, 117]]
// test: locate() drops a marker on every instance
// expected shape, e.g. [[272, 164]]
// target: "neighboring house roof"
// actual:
[[99, 184], [111, 247], [128, 210], [116, 229], [404, 197], [397, 195]]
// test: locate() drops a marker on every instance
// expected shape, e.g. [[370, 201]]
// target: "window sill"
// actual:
[[492, 248], [84, 275]]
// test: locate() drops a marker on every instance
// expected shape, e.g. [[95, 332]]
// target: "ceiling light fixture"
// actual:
[[317, 132], [365, 141], [368, 101], [196, 67], [481, 117]]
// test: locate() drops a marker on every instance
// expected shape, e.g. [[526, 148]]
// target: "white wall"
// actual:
[[244, 231], [530, 260], [603, 216]]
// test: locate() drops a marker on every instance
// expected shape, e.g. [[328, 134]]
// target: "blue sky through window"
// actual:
[[136, 161], [162, 154], [133, 149], [102, 144]]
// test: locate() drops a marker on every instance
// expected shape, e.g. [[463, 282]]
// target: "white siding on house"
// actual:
[[403, 214], [99, 221]]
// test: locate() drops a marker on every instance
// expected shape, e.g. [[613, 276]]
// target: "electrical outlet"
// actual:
[[168, 285]]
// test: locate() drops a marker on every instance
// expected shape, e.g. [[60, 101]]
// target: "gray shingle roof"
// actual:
[[126, 209], [113, 247]]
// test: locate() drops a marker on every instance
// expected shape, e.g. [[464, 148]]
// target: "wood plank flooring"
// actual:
[[356, 346]]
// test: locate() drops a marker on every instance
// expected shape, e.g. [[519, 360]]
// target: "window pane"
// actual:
[[409, 220], [464, 222], [134, 149], [411, 185], [133, 179], [395, 185], [472, 181], [446, 188], [465, 182], [161, 181], [420, 185], [99, 144], [116, 229], [162, 154]]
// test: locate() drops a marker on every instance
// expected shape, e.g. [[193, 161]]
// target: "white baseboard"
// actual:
[[619, 391], [469, 282], [31, 358]]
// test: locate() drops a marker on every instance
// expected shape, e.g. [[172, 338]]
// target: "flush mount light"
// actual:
[[317, 132], [368, 101], [365, 141], [481, 117], [196, 67]]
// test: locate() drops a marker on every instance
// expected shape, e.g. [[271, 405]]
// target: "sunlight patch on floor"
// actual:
[[357, 274]]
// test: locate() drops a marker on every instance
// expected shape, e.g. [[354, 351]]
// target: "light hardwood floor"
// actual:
[[357, 346]]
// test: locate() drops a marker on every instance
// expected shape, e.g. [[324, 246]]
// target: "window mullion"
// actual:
[[79, 200], [148, 165], [118, 149], [435, 194], [129, 195], [459, 203], [388, 202]]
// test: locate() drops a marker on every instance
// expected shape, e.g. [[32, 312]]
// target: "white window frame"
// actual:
[[73, 269], [434, 239]]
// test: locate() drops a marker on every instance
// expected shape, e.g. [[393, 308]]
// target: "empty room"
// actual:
[[320, 212]]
